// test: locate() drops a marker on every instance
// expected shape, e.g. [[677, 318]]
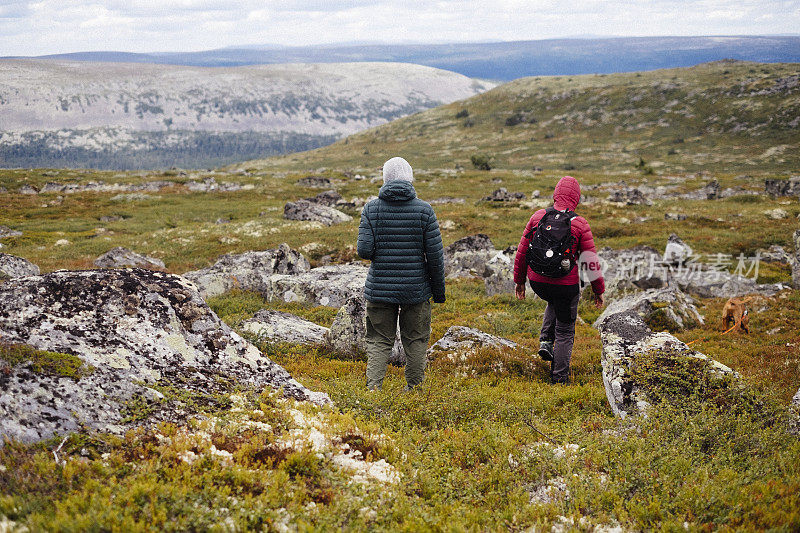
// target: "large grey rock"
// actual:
[[796, 262], [120, 257], [12, 266], [5, 231], [716, 284], [625, 338], [459, 341], [137, 328], [676, 251], [500, 270], [250, 271], [667, 307], [790, 187], [315, 182], [312, 211], [28, 189], [630, 270], [349, 330], [468, 257], [328, 285], [277, 326], [629, 196], [329, 198]]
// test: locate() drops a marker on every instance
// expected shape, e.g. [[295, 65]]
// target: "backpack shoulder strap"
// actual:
[[547, 211]]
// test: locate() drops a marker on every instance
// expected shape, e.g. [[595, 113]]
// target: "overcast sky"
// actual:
[[59, 26]]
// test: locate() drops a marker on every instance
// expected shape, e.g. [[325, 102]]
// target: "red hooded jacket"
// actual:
[[566, 196]]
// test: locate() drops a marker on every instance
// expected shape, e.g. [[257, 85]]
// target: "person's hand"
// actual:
[[599, 301], [520, 291]]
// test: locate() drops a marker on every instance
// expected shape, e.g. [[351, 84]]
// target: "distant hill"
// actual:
[[721, 116], [123, 115], [501, 60]]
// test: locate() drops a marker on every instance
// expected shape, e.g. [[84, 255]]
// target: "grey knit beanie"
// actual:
[[397, 168]]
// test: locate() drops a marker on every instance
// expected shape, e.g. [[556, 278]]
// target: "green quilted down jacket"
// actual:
[[400, 235]]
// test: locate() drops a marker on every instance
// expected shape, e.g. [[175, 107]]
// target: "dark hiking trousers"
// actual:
[[558, 324], [415, 332]]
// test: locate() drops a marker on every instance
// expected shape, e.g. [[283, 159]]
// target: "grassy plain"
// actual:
[[472, 447]]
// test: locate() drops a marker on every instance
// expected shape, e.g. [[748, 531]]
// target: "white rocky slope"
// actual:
[[317, 99]]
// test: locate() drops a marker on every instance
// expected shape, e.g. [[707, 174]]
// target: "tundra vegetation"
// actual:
[[486, 443]]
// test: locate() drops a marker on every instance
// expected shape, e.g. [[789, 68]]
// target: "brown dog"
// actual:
[[735, 310]]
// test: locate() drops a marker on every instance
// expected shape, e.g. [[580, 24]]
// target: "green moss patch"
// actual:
[[44, 362]]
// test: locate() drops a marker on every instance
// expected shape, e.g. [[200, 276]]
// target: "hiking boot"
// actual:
[[546, 350]]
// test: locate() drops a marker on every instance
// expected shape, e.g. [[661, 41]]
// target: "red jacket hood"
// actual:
[[567, 194]]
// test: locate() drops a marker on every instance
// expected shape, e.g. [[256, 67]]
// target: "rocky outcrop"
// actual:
[[626, 338], [631, 269], [5, 231], [101, 186], [502, 195], [211, 185], [277, 326], [329, 198], [250, 271], [629, 196], [311, 211], [12, 266], [666, 308], [120, 257], [460, 341], [790, 187], [349, 329], [676, 252], [468, 257], [133, 330], [328, 285], [717, 284], [499, 271], [315, 182]]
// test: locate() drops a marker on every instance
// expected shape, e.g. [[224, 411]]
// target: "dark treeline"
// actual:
[[198, 150]]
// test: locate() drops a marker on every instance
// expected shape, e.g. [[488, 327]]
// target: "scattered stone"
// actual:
[[278, 326], [535, 194], [467, 257], [502, 195], [211, 185], [553, 490], [500, 268], [62, 242], [12, 266], [447, 200], [349, 329], [631, 269], [111, 218], [776, 254], [3, 190], [777, 213], [131, 329], [120, 257], [250, 271], [629, 196], [676, 251], [305, 210], [5, 231], [674, 216], [447, 225], [796, 262], [222, 220], [719, 284], [666, 308], [461, 341], [27, 189], [314, 182], [790, 187]]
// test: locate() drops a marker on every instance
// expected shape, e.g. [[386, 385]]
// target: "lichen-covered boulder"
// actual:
[[120, 257], [349, 330], [500, 273], [779, 187], [329, 198], [278, 326], [5, 231], [250, 271], [12, 266], [134, 329], [666, 308], [717, 284], [626, 339], [328, 285], [315, 212], [796, 262], [502, 195], [459, 341], [676, 252], [630, 270], [468, 257]]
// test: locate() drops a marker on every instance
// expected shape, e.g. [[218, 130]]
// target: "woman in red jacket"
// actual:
[[561, 294]]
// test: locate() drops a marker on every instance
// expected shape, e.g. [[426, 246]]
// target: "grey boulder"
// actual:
[[667, 308], [328, 285], [12, 266], [460, 341], [796, 262], [5, 231], [120, 257], [314, 212], [136, 329], [277, 326], [250, 271]]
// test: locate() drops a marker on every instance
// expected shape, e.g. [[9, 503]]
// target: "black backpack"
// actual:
[[553, 250]]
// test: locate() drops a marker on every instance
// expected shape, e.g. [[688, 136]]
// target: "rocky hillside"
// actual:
[[723, 116], [60, 113]]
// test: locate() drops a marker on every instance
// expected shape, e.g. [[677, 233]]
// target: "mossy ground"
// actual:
[[42, 361]]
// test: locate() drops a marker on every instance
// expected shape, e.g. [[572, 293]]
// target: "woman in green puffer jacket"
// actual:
[[400, 235]]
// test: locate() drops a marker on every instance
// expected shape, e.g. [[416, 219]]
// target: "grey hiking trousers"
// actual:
[[415, 332], [558, 324]]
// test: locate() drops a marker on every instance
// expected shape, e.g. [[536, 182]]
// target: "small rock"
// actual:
[[676, 251], [27, 189], [674, 216], [120, 257], [305, 210], [444, 225], [62, 242], [462, 340], [447, 200], [502, 195], [5, 231], [776, 214], [328, 198], [315, 182], [12, 266]]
